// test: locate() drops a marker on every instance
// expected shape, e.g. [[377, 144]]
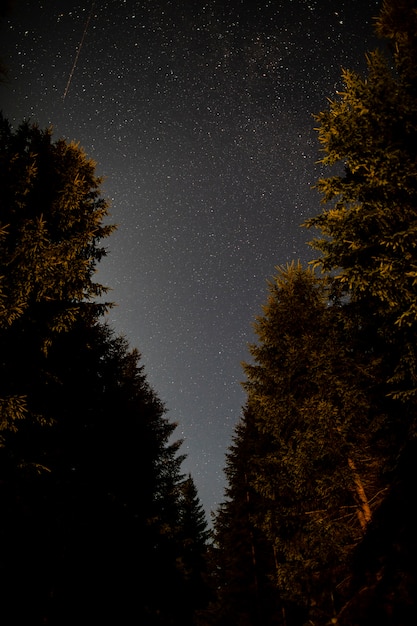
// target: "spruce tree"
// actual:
[[193, 538], [51, 227], [316, 472], [368, 229], [366, 239], [241, 557], [93, 505], [103, 532]]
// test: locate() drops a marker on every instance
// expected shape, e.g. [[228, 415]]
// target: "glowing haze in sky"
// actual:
[[199, 115]]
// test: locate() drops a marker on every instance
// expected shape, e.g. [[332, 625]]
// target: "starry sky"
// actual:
[[199, 116]]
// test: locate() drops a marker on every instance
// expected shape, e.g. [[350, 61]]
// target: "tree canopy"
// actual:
[[332, 382], [52, 223], [101, 524], [367, 231]]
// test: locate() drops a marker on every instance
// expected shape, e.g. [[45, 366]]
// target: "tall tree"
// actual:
[[193, 539], [241, 557], [104, 532], [367, 231], [93, 506], [315, 472], [51, 227], [366, 239]]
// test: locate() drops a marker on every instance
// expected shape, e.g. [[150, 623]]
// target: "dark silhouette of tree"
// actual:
[[194, 538], [101, 525], [108, 510], [241, 558]]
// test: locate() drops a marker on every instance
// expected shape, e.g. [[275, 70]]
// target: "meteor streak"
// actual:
[[80, 45]]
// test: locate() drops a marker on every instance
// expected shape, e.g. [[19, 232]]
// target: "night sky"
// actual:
[[199, 116]]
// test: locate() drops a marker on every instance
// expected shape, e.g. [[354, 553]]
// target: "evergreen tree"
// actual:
[[241, 557], [51, 226], [104, 533], [335, 453], [366, 239], [193, 539], [316, 473], [367, 231], [93, 506]]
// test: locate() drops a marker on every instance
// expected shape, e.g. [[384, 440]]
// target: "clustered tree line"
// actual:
[[98, 519], [317, 525]]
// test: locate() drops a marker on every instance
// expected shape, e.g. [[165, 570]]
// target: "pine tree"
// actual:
[[193, 540], [100, 534], [241, 557], [366, 239], [368, 230], [93, 506], [316, 472], [51, 227]]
